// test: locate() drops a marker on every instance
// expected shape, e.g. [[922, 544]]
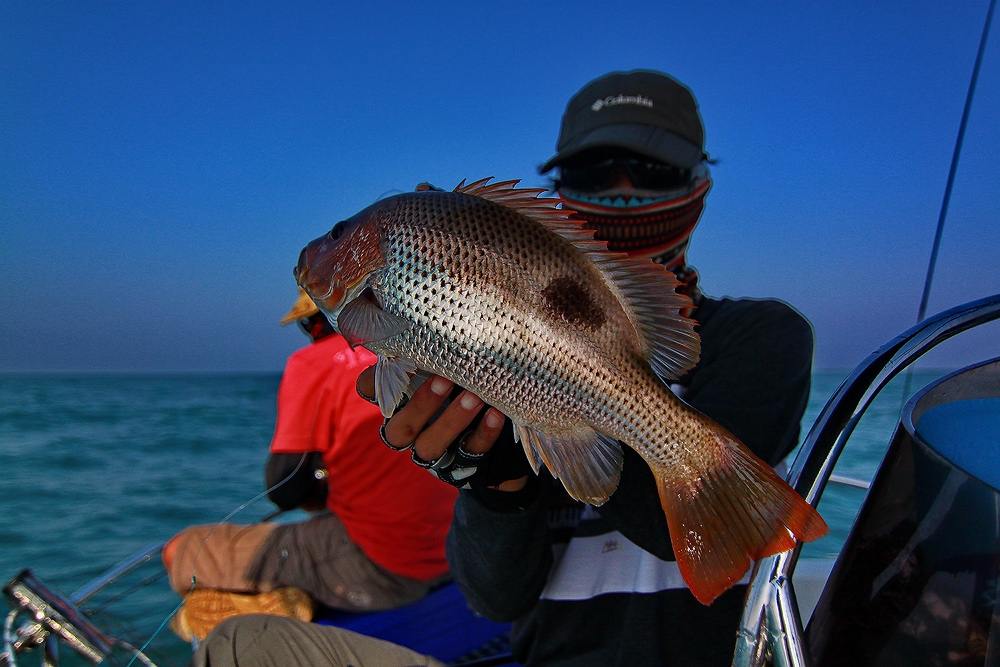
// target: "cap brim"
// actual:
[[651, 142], [303, 307]]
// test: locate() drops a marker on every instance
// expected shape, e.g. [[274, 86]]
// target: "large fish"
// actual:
[[509, 296]]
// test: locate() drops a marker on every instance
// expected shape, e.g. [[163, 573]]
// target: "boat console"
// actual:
[[918, 579]]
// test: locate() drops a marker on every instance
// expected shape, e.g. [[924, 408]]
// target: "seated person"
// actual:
[[381, 545]]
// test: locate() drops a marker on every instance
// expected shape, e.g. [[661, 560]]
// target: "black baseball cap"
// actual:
[[644, 111]]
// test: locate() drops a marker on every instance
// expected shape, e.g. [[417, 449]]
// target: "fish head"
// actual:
[[334, 269]]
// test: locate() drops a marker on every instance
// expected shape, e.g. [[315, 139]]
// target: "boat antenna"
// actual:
[[922, 311]]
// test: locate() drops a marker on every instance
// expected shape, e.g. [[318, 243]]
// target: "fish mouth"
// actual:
[[315, 276], [325, 296], [347, 294]]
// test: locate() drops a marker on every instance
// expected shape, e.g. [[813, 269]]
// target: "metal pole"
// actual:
[[125, 566], [952, 170], [954, 162]]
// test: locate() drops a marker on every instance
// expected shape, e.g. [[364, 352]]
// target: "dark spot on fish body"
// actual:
[[569, 300]]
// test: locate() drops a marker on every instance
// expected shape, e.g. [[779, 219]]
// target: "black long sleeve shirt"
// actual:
[[555, 569]]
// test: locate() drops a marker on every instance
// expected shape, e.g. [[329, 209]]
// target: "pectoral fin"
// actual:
[[588, 464], [364, 321]]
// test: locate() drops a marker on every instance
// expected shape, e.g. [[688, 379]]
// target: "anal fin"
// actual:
[[588, 464], [527, 438]]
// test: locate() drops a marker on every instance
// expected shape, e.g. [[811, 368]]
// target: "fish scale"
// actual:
[[508, 296], [426, 262], [459, 303]]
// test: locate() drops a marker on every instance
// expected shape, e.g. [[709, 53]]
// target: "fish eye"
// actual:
[[337, 231]]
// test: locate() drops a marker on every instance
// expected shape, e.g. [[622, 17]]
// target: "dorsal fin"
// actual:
[[523, 200], [650, 298], [646, 289]]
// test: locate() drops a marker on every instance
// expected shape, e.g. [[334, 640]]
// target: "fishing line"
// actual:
[[115, 598], [142, 649], [960, 139], [201, 547], [242, 507]]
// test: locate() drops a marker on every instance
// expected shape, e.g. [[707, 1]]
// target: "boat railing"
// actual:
[[844, 480], [771, 631]]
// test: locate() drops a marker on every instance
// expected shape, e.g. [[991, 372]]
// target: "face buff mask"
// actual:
[[656, 227]]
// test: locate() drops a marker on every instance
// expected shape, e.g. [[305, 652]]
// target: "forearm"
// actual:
[[500, 559], [292, 482]]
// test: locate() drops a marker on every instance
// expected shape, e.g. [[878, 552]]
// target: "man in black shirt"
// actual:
[[601, 587]]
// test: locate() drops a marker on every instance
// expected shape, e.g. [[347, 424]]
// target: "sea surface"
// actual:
[[97, 467]]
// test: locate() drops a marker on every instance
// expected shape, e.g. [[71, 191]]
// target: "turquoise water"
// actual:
[[96, 467]]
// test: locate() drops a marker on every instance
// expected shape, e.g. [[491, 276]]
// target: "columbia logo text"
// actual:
[[615, 100]]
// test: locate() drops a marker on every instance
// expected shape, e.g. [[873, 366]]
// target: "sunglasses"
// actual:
[[643, 174]]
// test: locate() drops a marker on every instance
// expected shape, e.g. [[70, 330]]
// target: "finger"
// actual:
[[438, 436], [365, 385], [403, 427], [486, 433]]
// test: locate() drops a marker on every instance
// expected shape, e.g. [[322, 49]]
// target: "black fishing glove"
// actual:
[[482, 473], [504, 461]]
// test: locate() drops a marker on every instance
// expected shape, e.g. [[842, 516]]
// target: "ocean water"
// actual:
[[97, 467]]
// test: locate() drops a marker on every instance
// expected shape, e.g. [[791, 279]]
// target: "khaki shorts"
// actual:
[[272, 641], [316, 556]]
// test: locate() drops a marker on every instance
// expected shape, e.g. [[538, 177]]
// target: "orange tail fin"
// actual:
[[737, 509]]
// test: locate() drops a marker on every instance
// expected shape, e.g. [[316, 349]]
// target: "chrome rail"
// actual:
[[770, 631], [850, 481]]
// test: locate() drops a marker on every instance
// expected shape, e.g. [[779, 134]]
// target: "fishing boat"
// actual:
[[916, 582], [924, 546]]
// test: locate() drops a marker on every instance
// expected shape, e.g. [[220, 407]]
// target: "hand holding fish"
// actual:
[[454, 427], [510, 296]]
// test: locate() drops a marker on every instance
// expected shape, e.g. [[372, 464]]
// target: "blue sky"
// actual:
[[161, 164]]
